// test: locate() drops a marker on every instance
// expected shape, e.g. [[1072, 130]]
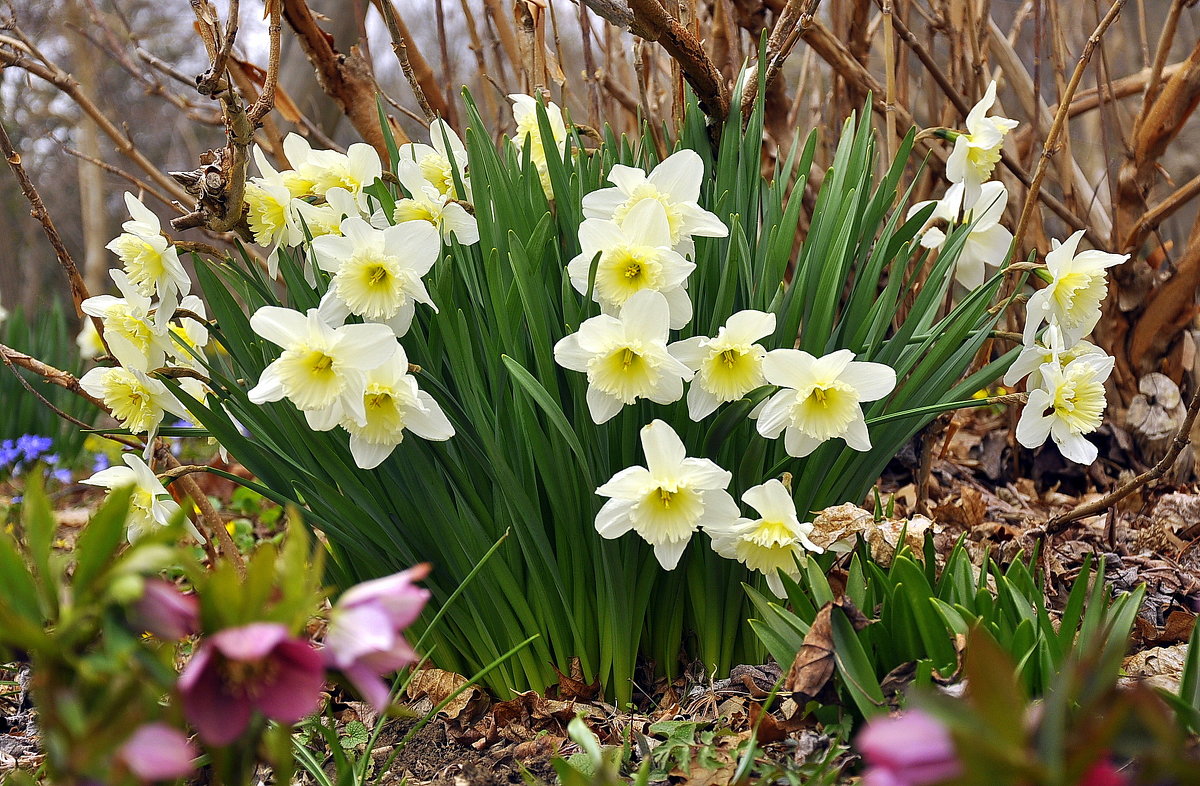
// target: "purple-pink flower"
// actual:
[[165, 611], [364, 639], [158, 752], [241, 670], [911, 749]]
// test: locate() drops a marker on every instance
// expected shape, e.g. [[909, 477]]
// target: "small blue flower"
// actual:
[[100, 462], [32, 446], [62, 476], [9, 453], [182, 424], [50, 459]]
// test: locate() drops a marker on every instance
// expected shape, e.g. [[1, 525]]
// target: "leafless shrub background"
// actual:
[[100, 96]]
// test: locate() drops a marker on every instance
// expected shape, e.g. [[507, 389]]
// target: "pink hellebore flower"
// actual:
[[912, 749], [364, 638], [240, 670], [1103, 773], [158, 752], [165, 611]]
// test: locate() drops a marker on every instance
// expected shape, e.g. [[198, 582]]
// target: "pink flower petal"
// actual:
[[249, 642], [294, 689], [370, 685], [357, 631], [219, 717], [158, 752]]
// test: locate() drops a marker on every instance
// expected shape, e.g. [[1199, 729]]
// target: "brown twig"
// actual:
[[1050, 146], [208, 514], [699, 70], [1060, 522], [400, 48]]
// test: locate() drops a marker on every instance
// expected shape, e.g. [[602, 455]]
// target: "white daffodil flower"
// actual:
[[1070, 404], [377, 273], [625, 357], [1049, 350], [977, 151], [1072, 299], [727, 367], [634, 256], [667, 500], [300, 180], [269, 214], [353, 170], [136, 339], [427, 203], [433, 160], [674, 183], [150, 506], [820, 398], [322, 369], [988, 242], [525, 114], [770, 544], [150, 261], [393, 404], [138, 401]]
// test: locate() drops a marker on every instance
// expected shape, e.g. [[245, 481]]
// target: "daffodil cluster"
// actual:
[[143, 334], [341, 364], [154, 325], [1066, 374], [637, 243]]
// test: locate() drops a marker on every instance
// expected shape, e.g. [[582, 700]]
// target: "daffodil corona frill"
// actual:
[[674, 183], [625, 357], [770, 544], [1072, 298], [727, 367], [393, 404], [377, 273], [977, 150], [322, 369], [667, 500], [820, 398], [150, 507], [634, 256], [1069, 405]]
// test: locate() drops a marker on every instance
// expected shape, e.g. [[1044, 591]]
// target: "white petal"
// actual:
[[630, 484], [430, 423], [689, 352], [368, 455], [602, 406], [281, 326], [668, 553], [792, 368], [746, 327], [364, 346], [614, 520], [679, 175], [798, 444], [663, 448], [646, 315], [705, 474], [776, 414], [856, 434], [772, 500], [872, 380], [646, 224], [269, 387], [701, 403]]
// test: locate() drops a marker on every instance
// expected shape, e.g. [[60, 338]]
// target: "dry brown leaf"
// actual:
[[814, 664], [437, 684], [1160, 667]]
